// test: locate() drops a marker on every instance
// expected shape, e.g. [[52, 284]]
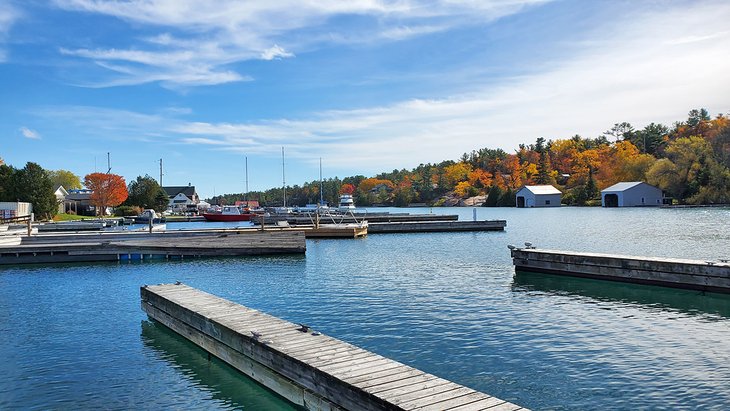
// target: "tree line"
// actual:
[[689, 161]]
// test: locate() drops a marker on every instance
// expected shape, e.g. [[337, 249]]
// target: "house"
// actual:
[[631, 194], [79, 202], [182, 198], [538, 196], [60, 194]]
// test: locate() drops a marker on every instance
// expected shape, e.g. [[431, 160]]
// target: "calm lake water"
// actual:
[[74, 336]]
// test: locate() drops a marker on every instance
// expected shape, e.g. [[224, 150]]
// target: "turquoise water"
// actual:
[[74, 336]]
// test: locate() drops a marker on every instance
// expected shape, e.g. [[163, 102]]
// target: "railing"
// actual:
[[17, 219]]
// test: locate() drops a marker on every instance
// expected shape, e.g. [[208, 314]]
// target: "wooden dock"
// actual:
[[436, 226], [308, 218], [308, 368], [141, 246], [699, 275]]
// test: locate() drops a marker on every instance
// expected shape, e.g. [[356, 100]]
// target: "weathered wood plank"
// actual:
[[446, 403], [484, 403]]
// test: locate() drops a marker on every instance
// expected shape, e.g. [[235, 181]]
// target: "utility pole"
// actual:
[[108, 162], [161, 173]]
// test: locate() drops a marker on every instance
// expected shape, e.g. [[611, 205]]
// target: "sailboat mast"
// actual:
[[245, 196], [321, 184], [283, 176]]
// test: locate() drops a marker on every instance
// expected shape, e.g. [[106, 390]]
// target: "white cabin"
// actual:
[[631, 194], [538, 196]]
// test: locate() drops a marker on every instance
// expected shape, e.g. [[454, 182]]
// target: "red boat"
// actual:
[[229, 213]]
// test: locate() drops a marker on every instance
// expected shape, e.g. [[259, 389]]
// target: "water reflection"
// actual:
[[685, 301], [228, 388]]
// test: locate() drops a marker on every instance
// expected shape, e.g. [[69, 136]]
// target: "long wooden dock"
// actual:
[[141, 246], [668, 272], [435, 226], [310, 369]]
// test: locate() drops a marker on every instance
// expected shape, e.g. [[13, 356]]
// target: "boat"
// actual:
[[148, 214], [347, 203], [229, 213]]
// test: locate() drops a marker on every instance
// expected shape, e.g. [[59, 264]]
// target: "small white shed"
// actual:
[[538, 196], [631, 194]]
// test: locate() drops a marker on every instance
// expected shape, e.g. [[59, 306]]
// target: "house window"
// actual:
[[547, 202]]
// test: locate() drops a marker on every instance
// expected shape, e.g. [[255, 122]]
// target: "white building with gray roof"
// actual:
[[538, 196], [631, 194]]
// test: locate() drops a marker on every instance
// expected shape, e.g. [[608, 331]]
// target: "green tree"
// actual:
[[7, 183], [507, 199], [65, 178], [495, 193], [543, 165], [36, 187], [145, 192]]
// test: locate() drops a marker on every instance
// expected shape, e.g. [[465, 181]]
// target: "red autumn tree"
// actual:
[[347, 189], [109, 190]]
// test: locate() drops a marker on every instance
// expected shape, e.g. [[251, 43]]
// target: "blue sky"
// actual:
[[366, 85]]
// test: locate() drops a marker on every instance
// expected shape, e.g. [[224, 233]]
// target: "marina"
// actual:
[[449, 304], [698, 275], [308, 368]]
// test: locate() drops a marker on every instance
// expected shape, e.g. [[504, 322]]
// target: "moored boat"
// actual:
[[148, 214], [347, 203], [229, 213]]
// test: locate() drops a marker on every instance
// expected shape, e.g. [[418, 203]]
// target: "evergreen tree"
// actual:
[[145, 192], [493, 197], [33, 185]]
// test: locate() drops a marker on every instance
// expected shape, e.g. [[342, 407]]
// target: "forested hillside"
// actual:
[[689, 160]]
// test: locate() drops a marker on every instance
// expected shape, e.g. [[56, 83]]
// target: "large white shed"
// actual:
[[631, 194], [538, 196]]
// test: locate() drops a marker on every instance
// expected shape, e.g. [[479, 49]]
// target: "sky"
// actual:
[[367, 86]]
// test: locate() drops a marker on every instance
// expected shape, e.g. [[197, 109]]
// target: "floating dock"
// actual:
[[336, 231], [141, 246], [699, 275], [305, 218], [436, 226], [307, 368]]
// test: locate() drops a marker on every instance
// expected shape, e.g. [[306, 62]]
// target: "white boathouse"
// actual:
[[538, 196], [631, 194]]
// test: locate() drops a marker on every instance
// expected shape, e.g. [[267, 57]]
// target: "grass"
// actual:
[[71, 217]]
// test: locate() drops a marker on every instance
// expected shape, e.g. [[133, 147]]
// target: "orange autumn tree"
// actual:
[[347, 189], [108, 190]]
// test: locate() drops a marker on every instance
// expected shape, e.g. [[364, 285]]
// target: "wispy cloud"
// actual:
[[212, 34], [31, 134], [8, 16]]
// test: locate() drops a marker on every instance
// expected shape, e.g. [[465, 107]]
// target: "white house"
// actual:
[[631, 194], [61, 195], [538, 196], [182, 198]]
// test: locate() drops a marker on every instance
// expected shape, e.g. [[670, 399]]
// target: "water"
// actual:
[[74, 336]]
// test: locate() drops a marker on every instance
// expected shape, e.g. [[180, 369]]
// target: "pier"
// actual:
[[304, 366], [140, 246], [713, 276], [435, 226]]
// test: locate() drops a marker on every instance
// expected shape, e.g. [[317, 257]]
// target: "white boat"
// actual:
[[347, 203]]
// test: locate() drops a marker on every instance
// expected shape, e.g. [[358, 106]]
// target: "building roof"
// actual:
[[542, 190], [62, 190], [623, 186], [172, 191]]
